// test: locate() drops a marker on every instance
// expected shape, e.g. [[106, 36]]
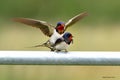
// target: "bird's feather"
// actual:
[[46, 28], [58, 41], [75, 19]]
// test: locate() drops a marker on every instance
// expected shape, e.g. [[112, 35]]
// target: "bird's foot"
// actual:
[[61, 51]]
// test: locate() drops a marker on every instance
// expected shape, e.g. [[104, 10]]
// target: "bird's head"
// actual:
[[60, 27], [68, 37]]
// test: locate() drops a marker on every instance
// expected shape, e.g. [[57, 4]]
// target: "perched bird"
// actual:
[[49, 30], [63, 42]]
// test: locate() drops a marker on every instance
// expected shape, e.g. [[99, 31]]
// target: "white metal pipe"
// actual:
[[61, 58]]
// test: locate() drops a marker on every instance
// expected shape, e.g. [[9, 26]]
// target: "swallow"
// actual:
[[49, 30], [63, 42]]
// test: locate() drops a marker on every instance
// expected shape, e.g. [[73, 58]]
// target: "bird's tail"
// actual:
[[46, 44], [40, 45]]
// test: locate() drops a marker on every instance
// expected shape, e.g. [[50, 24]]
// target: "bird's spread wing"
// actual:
[[46, 28], [75, 19]]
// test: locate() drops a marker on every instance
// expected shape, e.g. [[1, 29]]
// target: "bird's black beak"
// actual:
[[72, 41]]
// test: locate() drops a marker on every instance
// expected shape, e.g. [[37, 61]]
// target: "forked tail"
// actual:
[[46, 44]]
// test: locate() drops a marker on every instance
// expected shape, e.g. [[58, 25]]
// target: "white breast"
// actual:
[[54, 37], [61, 46]]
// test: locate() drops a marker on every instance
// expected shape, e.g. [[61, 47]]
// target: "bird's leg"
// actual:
[[48, 45], [60, 51], [57, 51], [52, 49], [66, 50]]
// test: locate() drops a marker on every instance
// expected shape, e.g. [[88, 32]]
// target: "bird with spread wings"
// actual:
[[49, 30]]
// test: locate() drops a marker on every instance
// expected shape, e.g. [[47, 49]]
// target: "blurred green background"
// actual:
[[97, 32], [100, 31]]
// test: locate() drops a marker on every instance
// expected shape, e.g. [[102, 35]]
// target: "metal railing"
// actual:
[[60, 58]]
